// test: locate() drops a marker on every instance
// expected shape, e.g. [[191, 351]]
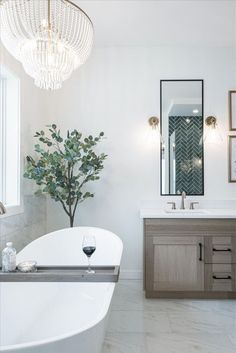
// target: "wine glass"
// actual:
[[89, 246]]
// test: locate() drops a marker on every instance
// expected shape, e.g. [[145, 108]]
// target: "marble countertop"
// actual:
[[197, 213]]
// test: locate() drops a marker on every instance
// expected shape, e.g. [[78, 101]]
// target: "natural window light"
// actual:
[[9, 140]]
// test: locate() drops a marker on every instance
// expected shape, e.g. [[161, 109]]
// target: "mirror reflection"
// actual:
[[182, 137]]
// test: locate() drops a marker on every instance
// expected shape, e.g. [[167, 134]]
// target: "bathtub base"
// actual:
[[89, 341]]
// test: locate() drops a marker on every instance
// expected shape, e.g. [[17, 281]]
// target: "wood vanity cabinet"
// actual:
[[190, 258]]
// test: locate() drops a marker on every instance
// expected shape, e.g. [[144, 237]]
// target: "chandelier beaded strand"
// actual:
[[51, 38]]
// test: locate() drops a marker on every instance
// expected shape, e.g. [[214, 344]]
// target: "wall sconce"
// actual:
[[155, 135], [211, 122], [212, 134], [153, 122]]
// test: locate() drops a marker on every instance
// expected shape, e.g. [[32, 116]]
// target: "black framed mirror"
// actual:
[[182, 148]]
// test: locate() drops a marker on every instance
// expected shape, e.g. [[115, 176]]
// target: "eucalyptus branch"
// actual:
[[76, 204], [86, 179], [64, 207], [57, 146]]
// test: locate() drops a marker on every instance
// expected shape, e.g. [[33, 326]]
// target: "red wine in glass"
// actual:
[[89, 246]]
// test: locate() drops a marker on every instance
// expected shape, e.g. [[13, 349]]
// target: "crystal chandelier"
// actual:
[[51, 38]]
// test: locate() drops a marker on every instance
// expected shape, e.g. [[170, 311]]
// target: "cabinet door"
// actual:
[[175, 264]]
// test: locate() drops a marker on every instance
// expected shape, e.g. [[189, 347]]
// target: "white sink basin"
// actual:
[[187, 211]]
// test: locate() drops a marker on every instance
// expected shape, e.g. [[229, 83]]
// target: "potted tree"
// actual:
[[64, 166]]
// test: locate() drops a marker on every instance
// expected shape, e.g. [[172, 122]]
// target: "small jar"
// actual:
[[27, 266], [9, 258]]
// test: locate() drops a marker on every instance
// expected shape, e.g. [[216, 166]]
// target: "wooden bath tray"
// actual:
[[64, 274]]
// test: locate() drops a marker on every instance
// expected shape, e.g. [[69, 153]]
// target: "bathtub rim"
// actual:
[[93, 323], [86, 227]]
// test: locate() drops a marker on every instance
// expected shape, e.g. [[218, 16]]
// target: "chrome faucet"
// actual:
[[183, 196], [2, 208]]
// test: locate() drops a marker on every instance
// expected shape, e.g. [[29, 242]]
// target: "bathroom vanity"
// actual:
[[190, 255]]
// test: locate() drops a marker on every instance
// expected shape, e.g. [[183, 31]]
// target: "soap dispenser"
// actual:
[[9, 258]]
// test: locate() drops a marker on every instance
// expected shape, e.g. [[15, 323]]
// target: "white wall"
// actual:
[[116, 92], [30, 224], [32, 110]]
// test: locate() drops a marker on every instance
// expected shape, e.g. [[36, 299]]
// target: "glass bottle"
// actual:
[[9, 258]]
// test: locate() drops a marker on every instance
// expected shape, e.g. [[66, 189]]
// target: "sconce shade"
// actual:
[[153, 122], [211, 121], [212, 135]]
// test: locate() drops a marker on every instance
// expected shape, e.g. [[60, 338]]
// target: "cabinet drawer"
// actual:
[[220, 250], [220, 277]]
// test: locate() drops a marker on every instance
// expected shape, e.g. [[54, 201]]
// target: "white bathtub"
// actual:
[[59, 317]]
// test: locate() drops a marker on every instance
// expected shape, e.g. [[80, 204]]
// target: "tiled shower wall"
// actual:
[[21, 229], [188, 152]]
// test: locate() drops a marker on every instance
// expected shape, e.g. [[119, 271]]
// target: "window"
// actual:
[[9, 140]]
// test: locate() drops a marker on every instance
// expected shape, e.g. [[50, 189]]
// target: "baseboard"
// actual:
[[127, 274]]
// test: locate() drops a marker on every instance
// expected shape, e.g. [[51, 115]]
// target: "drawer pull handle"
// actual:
[[226, 277], [228, 249], [200, 251]]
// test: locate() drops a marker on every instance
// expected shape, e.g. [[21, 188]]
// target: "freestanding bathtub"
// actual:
[[59, 317]]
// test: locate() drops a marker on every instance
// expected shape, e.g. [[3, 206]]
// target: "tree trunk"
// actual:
[[71, 221]]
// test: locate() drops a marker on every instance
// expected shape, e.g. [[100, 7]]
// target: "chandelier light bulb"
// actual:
[[51, 38], [44, 23], [60, 47], [50, 60]]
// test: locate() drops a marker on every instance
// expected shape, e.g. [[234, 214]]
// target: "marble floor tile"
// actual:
[[176, 343], [138, 321], [202, 321], [232, 338], [140, 325], [129, 296], [222, 307], [125, 343]]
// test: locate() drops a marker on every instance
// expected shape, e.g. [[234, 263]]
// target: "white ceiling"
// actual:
[[162, 22]]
